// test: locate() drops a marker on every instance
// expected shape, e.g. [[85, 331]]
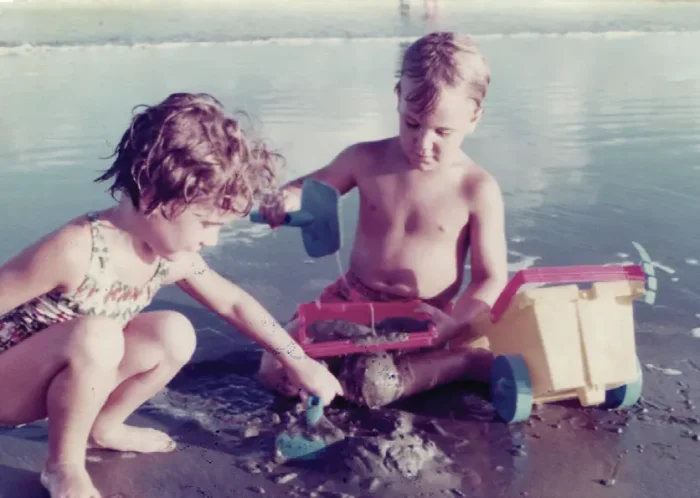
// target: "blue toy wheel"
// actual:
[[627, 395], [511, 389]]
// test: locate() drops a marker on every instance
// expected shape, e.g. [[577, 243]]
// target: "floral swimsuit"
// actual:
[[100, 294]]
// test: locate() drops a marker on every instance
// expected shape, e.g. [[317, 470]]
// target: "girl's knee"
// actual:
[[96, 341], [176, 336]]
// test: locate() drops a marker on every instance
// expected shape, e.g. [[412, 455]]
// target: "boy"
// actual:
[[423, 203]]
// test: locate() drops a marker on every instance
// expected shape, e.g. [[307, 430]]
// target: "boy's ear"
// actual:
[[477, 115], [474, 120], [397, 91]]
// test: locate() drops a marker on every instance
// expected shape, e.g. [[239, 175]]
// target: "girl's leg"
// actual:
[[64, 372], [157, 345]]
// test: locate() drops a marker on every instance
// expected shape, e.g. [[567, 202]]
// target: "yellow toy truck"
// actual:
[[561, 342]]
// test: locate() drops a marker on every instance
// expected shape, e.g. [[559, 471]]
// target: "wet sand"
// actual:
[[563, 450]]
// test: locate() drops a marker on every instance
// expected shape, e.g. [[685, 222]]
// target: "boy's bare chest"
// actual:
[[413, 208]]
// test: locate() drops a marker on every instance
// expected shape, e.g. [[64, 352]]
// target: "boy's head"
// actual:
[[442, 85], [187, 168]]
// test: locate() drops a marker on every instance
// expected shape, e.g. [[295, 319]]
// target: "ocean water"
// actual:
[[591, 126]]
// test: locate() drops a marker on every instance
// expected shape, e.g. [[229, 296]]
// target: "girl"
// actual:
[[74, 344]]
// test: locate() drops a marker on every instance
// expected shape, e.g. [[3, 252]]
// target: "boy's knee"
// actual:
[[96, 341], [273, 376], [270, 366], [268, 363], [292, 328], [372, 380]]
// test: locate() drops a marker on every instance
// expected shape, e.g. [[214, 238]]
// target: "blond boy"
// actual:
[[424, 204]]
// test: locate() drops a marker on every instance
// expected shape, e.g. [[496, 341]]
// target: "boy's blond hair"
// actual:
[[444, 59]]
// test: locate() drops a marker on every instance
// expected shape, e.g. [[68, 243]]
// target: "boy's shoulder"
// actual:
[[362, 157], [370, 148], [478, 184]]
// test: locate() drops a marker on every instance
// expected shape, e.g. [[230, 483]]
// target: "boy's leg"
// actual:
[[426, 370], [64, 372], [400, 376], [157, 345]]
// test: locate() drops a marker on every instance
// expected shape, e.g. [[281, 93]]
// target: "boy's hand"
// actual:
[[446, 327], [312, 377], [272, 208]]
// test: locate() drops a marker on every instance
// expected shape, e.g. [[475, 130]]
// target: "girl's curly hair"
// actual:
[[185, 150]]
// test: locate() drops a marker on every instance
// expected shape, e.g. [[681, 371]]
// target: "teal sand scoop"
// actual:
[[296, 445], [318, 218]]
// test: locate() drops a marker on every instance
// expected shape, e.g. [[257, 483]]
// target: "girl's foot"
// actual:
[[68, 481], [129, 438]]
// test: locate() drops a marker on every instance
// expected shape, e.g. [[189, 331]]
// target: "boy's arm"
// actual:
[[489, 259], [340, 173]]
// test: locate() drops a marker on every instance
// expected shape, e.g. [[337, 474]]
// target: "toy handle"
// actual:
[[314, 409], [563, 274], [293, 219]]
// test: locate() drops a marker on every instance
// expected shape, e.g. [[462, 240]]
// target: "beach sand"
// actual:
[[590, 127], [562, 450]]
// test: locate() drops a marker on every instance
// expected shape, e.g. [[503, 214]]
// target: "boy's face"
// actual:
[[431, 140], [190, 230]]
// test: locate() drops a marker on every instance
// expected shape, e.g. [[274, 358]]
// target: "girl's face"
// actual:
[[186, 231]]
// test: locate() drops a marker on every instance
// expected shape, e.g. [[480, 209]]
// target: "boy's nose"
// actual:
[[424, 142]]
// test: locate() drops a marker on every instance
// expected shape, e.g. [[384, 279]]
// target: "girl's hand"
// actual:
[[313, 377]]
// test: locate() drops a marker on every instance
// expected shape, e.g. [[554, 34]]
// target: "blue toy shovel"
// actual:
[[318, 218], [298, 446]]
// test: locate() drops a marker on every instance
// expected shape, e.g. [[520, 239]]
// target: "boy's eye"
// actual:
[[444, 133], [411, 124]]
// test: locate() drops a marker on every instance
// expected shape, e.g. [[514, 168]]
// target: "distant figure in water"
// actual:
[[431, 8], [75, 345], [423, 205]]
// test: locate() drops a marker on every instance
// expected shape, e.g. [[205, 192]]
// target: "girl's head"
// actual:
[[186, 168]]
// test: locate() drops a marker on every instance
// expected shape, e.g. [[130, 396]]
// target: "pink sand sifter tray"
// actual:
[[366, 314]]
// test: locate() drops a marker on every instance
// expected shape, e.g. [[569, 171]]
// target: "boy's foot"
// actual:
[[129, 438], [64, 481]]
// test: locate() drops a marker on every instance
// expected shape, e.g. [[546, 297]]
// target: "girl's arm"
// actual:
[[239, 308], [59, 260]]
